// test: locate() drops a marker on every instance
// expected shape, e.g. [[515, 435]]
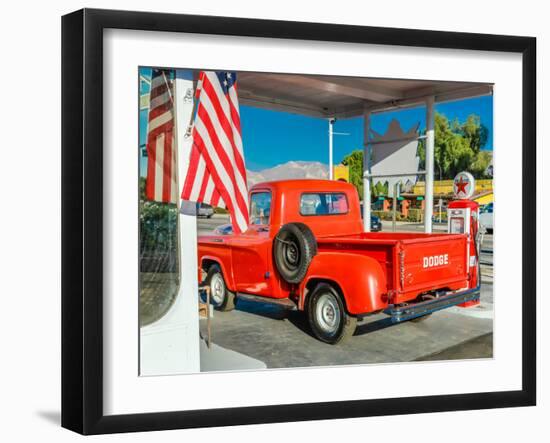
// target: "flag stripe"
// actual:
[[222, 144], [151, 168], [216, 200], [216, 106], [162, 119], [194, 159], [221, 180], [174, 174], [201, 172], [160, 100], [167, 165], [159, 172], [218, 169], [208, 192], [161, 180], [205, 182], [220, 160]]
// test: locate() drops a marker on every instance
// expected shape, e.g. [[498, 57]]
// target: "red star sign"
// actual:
[[461, 186]]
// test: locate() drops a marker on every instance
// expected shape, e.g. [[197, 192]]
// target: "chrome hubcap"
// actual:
[[217, 289], [328, 313]]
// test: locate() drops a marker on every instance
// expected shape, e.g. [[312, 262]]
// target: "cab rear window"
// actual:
[[323, 203]]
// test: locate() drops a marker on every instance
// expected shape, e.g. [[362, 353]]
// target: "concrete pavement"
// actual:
[[282, 339]]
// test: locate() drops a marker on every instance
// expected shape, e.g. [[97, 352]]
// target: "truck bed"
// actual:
[[414, 263]]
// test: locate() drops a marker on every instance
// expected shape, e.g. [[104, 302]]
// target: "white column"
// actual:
[[366, 172], [330, 157], [171, 345], [430, 141]]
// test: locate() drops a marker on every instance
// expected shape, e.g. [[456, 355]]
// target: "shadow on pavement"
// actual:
[[372, 326], [267, 310], [299, 319]]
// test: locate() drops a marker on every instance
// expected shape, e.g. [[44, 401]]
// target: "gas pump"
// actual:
[[463, 218]]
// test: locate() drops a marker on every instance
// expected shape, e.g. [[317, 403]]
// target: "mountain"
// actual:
[[290, 170]]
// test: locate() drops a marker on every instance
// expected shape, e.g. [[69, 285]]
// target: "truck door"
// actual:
[[250, 250]]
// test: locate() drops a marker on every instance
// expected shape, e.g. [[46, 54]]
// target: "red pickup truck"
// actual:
[[305, 249]]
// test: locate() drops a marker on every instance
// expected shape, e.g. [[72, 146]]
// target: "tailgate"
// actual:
[[432, 263]]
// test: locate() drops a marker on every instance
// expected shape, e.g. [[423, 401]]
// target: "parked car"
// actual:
[[204, 210], [486, 217], [224, 229], [305, 250], [375, 222]]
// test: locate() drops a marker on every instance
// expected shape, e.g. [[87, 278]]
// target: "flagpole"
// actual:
[[189, 131]]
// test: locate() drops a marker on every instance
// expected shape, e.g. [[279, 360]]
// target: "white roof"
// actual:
[[344, 97]]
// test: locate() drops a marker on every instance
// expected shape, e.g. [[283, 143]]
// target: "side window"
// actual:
[[323, 203], [260, 208]]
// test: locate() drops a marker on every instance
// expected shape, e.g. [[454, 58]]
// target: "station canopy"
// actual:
[[346, 97]]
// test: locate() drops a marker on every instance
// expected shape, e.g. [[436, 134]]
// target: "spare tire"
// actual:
[[294, 247]]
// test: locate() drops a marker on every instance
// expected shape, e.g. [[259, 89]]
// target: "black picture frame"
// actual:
[[82, 215]]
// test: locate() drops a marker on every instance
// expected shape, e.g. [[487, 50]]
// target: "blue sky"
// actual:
[[271, 137]]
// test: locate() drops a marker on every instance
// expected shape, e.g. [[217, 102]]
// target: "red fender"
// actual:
[[220, 255], [361, 279]]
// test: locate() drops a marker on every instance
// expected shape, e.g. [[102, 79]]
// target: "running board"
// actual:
[[402, 313], [284, 303]]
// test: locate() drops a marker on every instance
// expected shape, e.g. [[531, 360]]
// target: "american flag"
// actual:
[[161, 182], [217, 173]]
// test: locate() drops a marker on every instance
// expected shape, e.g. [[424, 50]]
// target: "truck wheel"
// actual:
[[221, 297], [327, 315], [294, 247]]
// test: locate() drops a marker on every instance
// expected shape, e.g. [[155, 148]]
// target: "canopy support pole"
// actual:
[[330, 155], [430, 147], [366, 172]]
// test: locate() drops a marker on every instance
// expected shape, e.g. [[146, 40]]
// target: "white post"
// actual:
[[366, 172], [172, 344], [394, 206], [430, 142], [330, 137]]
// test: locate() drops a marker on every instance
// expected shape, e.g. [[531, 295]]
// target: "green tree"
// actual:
[[380, 189], [480, 164], [142, 183], [473, 131], [157, 229], [354, 161], [457, 147]]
